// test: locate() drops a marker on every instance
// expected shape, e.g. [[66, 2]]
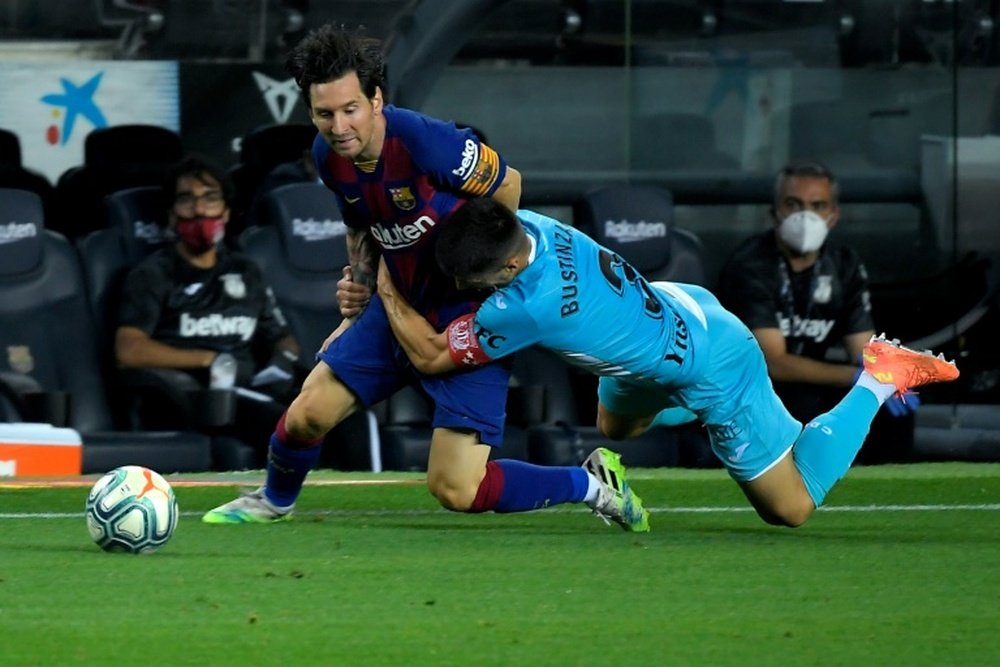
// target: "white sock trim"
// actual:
[[593, 486], [881, 390]]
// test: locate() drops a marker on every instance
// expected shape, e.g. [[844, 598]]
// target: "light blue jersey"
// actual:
[[656, 346], [585, 303]]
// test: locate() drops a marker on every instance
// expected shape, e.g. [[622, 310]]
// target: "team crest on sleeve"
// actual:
[[234, 285], [460, 335], [403, 198], [463, 345]]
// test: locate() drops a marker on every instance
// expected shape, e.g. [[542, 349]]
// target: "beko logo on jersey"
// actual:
[[470, 156], [311, 229], [16, 231], [217, 325], [624, 231], [402, 236]]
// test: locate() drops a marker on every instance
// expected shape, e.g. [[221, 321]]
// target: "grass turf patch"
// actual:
[[380, 575]]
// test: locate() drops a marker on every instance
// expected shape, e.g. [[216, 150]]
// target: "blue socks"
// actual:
[[828, 444], [286, 471], [530, 487]]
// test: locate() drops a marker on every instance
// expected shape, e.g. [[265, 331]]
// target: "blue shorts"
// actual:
[[368, 359], [749, 428]]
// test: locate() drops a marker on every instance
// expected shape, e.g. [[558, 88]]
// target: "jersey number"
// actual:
[[620, 274]]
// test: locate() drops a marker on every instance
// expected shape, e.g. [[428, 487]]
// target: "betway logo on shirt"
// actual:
[[470, 156], [15, 231], [217, 325], [312, 229], [402, 236], [818, 330], [624, 231]]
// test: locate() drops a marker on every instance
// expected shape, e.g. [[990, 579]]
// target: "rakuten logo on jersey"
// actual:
[[402, 236], [470, 156], [624, 231], [16, 231], [217, 325], [312, 229]]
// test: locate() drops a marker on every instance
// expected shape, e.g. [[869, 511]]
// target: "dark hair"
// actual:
[[197, 167], [477, 238], [329, 52], [807, 169]]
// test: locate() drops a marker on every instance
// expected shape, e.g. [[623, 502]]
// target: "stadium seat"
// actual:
[[637, 222], [261, 150], [47, 329], [115, 158], [301, 256], [136, 219], [14, 175]]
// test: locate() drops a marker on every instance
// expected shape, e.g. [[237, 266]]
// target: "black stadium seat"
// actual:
[[115, 158], [637, 222], [261, 150], [48, 333], [136, 219], [301, 256], [14, 175]]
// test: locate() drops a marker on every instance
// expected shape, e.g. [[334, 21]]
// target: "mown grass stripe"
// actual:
[[985, 507]]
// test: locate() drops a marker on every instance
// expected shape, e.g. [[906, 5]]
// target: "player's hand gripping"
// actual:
[[352, 297]]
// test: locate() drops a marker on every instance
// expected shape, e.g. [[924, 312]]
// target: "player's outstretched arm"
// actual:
[[426, 348]]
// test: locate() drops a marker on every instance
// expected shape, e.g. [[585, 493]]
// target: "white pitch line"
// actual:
[[985, 507]]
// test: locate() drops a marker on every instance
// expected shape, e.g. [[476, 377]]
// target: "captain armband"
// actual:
[[463, 345]]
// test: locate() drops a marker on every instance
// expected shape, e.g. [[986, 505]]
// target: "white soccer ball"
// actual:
[[131, 509]]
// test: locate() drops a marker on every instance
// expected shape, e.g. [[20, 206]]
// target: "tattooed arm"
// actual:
[[355, 288]]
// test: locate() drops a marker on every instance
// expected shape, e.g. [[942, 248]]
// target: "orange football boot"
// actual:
[[891, 363]]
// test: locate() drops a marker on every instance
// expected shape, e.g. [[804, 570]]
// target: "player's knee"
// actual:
[[612, 428], [452, 496], [790, 514], [305, 420]]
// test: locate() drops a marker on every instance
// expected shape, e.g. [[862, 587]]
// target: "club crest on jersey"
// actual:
[[19, 358], [403, 198], [483, 173], [234, 285], [824, 289]]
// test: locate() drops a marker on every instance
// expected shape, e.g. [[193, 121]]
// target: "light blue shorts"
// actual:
[[749, 428]]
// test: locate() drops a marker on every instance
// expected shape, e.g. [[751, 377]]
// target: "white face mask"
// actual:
[[803, 232]]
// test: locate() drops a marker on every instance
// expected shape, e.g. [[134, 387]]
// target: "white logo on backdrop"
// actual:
[[280, 96]]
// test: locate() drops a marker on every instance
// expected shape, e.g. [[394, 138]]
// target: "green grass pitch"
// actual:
[[901, 568]]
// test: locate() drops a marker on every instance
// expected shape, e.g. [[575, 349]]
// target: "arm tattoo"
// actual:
[[362, 254]]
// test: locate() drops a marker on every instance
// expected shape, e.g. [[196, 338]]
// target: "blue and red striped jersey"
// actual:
[[427, 169]]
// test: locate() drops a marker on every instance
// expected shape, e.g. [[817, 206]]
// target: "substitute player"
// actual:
[[397, 175], [664, 351]]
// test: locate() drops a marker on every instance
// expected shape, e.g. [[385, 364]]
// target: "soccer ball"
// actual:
[[131, 509]]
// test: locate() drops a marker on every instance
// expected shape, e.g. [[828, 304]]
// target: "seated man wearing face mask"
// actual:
[[805, 298], [193, 304]]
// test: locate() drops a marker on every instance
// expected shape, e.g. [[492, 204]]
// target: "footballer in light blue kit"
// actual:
[[666, 353]]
